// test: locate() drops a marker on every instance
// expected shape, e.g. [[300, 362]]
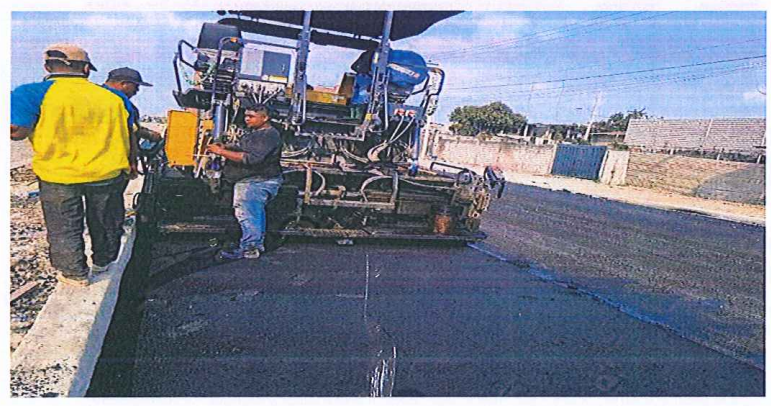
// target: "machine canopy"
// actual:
[[364, 27]]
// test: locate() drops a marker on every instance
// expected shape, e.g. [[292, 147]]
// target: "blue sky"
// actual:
[[534, 61]]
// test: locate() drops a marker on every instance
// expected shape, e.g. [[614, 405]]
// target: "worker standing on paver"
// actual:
[[254, 166], [79, 133]]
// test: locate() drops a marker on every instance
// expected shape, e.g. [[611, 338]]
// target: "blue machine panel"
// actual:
[[276, 64], [578, 161]]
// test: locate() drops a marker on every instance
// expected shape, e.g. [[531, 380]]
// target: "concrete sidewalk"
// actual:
[[738, 212]]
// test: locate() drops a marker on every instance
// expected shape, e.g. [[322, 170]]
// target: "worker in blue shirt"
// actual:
[[125, 82], [79, 133]]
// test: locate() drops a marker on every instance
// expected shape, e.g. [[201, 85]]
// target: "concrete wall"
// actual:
[[710, 179], [705, 178], [614, 168], [508, 156]]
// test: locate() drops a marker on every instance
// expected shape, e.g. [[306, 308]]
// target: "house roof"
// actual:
[[728, 134]]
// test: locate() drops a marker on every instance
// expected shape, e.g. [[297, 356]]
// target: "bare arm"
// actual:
[[133, 150], [218, 149], [19, 133]]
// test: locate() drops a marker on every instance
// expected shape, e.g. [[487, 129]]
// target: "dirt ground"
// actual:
[[28, 253], [644, 197]]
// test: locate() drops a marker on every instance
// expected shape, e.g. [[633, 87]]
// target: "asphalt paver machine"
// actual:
[[351, 158]]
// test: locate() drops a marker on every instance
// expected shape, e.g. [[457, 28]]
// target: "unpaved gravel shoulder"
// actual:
[[21, 153], [28, 250], [28, 253]]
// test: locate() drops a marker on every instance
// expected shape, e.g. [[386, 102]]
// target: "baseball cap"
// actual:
[[67, 53], [126, 75]]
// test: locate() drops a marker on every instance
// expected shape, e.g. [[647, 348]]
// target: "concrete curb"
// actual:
[[59, 353]]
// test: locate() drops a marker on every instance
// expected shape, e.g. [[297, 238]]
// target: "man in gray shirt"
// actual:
[[253, 163]]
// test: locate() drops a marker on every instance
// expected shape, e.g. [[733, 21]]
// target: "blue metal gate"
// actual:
[[578, 161]]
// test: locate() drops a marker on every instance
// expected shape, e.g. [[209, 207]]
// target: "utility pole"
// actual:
[[529, 97], [597, 101], [559, 99]]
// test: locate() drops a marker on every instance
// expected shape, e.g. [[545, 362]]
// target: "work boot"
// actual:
[[74, 280], [98, 269], [238, 253], [253, 253]]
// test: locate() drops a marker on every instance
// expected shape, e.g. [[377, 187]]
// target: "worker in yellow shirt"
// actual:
[[79, 133]]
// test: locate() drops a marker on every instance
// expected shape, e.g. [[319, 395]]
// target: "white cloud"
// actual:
[[754, 96], [168, 19], [145, 19], [103, 21], [486, 20], [460, 33], [120, 19], [428, 46], [716, 22]]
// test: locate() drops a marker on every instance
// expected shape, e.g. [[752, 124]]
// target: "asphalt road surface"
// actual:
[[564, 307], [699, 276]]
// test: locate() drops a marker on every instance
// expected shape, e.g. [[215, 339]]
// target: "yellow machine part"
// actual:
[[325, 98], [181, 138], [322, 97]]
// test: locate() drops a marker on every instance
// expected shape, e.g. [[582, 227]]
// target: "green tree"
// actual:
[[567, 131], [492, 118], [464, 120], [619, 121]]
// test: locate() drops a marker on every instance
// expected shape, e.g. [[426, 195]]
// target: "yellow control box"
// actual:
[[322, 97], [181, 138]]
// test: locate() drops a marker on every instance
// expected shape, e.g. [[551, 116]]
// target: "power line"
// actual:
[[655, 80], [631, 85], [593, 87], [682, 51], [609, 74], [515, 42], [609, 87], [484, 49], [518, 39], [602, 84]]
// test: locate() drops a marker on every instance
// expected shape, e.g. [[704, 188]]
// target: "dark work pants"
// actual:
[[63, 213]]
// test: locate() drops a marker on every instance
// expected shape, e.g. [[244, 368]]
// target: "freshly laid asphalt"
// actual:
[[700, 276], [401, 320]]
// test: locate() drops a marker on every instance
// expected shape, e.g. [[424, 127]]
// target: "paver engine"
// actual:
[[351, 156]]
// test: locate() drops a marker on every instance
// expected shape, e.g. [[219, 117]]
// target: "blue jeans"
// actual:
[[249, 200]]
